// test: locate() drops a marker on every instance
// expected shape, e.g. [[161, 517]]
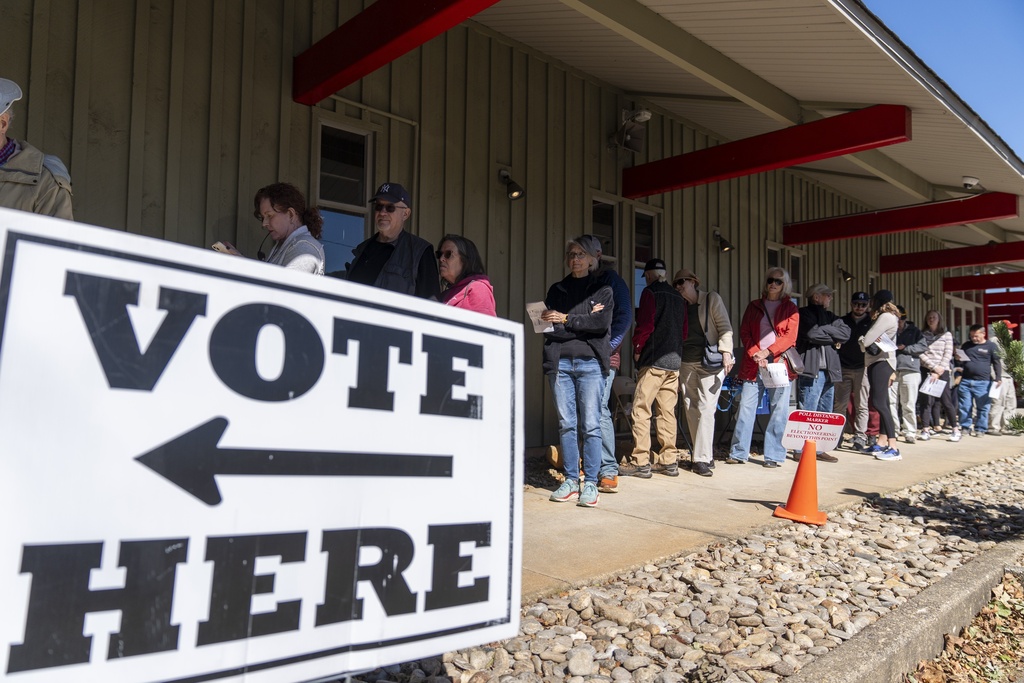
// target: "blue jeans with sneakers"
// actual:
[[609, 465], [974, 391], [578, 386], [750, 395]]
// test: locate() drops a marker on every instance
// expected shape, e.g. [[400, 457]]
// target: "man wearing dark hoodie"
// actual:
[[821, 331], [910, 344], [851, 358]]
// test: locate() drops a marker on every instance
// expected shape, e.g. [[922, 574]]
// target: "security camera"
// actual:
[[970, 182]]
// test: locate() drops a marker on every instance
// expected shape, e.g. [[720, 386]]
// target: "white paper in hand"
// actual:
[[535, 310], [933, 387], [775, 375]]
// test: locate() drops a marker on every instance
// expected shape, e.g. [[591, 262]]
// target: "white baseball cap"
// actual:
[[9, 94]]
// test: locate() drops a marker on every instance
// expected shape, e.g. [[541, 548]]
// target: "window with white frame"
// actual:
[[644, 248], [343, 185]]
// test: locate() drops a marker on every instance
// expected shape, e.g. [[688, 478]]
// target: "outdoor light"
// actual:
[[515, 190], [843, 273], [724, 245], [641, 115], [924, 295]]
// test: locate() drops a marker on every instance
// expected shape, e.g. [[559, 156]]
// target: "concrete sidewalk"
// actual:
[[565, 546]]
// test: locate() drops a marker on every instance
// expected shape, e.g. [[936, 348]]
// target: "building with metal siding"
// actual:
[[171, 113]]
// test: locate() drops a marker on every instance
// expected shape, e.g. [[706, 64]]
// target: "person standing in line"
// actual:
[[657, 349], [851, 360], [768, 329], [393, 258], [821, 333], [622, 319], [700, 387], [879, 346], [936, 363], [1004, 407], [576, 355], [29, 180], [981, 365], [910, 344], [464, 275]]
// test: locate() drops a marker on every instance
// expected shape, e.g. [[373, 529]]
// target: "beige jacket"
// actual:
[[719, 329], [27, 185]]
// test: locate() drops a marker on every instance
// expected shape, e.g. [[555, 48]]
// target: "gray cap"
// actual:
[[9, 94]]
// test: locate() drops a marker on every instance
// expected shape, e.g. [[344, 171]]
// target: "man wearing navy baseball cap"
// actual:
[[29, 180], [393, 258]]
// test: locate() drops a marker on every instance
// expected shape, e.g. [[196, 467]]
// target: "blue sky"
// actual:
[[975, 46]]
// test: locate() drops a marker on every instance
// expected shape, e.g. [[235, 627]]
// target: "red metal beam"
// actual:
[[1011, 313], [1003, 298], [378, 35], [990, 206], [966, 283], [952, 258], [877, 126]]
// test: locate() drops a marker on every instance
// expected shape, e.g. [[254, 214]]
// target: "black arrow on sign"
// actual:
[[192, 460]]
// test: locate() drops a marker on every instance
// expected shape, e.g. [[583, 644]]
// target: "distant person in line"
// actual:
[[29, 180], [851, 360], [699, 387], [903, 392], [576, 355], [463, 276], [821, 332], [768, 329], [393, 258], [879, 346], [1004, 407], [937, 363], [981, 366], [657, 350]]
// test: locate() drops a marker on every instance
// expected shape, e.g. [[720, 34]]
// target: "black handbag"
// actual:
[[713, 358]]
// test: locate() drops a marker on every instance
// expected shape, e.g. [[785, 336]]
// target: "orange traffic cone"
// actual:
[[802, 505]]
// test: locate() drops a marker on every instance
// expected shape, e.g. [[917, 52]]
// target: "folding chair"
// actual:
[[622, 402]]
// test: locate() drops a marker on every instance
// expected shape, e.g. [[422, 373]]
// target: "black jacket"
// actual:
[[851, 356], [587, 334], [819, 332]]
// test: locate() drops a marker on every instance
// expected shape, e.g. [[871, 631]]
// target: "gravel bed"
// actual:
[[755, 609]]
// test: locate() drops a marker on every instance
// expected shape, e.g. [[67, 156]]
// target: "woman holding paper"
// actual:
[[879, 346], [935, 366], [767, 332]]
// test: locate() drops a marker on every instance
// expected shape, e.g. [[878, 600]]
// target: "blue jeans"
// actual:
[[778, 400], [816, 394], [609, 465], [578, 386], [975, 390]]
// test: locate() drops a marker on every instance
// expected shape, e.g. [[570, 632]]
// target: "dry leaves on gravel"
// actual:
[[990, 649]]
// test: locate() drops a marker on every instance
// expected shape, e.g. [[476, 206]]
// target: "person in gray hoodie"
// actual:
[[910, 344], [821, 332]]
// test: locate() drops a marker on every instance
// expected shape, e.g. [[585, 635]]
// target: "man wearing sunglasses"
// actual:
[[395, 259], [851, 360]]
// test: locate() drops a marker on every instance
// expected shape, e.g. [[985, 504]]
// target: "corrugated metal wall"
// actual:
[[171, 113]]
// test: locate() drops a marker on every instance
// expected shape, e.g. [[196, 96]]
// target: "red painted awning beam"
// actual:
[[1010, 313], [990, 206], [967, 283], [1002, 298], [952, 258], [378, 35], [877, 126]]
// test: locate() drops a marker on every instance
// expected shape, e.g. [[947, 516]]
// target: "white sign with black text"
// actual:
[[216, 469]]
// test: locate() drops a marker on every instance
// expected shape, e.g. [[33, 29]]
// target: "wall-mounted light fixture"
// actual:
[[843, 273], [925, 295], [724, 245], [514, 189], [631, 133]]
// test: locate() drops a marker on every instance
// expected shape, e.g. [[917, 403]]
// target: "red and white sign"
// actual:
[[215, 469], [825, 429]]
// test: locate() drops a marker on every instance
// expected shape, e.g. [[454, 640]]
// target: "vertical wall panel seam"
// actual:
[[216, 127], [245, 106], [285, 96], [175, 104], [83, 79], [38, 65], [137, 132]]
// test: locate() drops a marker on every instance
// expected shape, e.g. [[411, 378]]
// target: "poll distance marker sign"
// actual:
[[215, 469]]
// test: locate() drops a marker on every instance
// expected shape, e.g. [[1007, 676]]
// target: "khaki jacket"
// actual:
[[27, 185]]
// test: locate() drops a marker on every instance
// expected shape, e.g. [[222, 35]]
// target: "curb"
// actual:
[[893, 645]]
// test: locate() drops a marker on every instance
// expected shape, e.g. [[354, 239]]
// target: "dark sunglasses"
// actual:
[[680, 283], [390, 208], [446, 254], [774, 281]]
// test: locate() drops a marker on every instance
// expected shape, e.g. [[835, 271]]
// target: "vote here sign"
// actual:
[[217, 469]]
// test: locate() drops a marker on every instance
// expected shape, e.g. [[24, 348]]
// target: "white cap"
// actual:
[[9, 94]]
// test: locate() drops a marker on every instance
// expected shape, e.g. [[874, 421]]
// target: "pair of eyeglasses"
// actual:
[[446, 254], [575, 255], [774, 281], [390, 208]]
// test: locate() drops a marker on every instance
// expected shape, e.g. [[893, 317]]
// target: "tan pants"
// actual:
[[660, 388], [700, 389]]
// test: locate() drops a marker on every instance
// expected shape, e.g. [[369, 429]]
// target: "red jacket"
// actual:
[[787, 322]]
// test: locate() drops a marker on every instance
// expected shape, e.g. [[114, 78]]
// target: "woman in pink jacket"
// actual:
[[464, 283]]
